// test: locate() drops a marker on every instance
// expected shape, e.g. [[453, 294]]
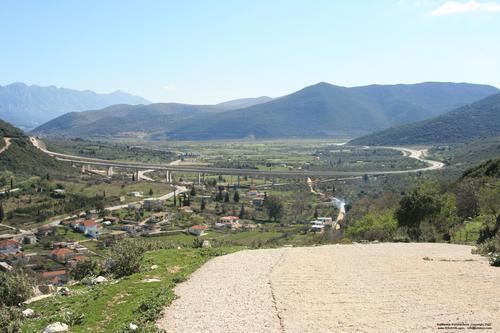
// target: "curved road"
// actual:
[[416, 154]]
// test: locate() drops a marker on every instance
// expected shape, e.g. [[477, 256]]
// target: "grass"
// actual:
[[116, 189], [112, 306], [246, 238]]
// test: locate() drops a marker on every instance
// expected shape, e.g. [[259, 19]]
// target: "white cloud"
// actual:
[[455, 7], [170, 87]]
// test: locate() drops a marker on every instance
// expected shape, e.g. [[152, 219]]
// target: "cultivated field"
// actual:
[[389, 287]]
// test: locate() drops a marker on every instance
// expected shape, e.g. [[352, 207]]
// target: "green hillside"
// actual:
[[21, 158], [8, 130], [120, 120], [490, 168], [478, 120]]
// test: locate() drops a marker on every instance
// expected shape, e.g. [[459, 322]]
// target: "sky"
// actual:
[[204, 52]]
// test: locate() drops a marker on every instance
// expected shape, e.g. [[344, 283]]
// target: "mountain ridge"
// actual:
[[320, 110]]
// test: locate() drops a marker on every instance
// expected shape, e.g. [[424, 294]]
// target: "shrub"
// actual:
[[10, 319], [495, 259], [126, 257], [15, 287], [373, 227], [83, 269]]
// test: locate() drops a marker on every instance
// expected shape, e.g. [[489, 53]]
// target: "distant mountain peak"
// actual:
[[28, 106]]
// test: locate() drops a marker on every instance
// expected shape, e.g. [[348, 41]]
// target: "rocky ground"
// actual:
[[340, 288]]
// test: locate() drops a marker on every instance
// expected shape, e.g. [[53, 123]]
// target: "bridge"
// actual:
[[170, 168]]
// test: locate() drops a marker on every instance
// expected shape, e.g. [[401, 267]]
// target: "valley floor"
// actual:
[[387, 287]]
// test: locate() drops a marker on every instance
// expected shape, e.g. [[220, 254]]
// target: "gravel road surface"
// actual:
[[386, 287]]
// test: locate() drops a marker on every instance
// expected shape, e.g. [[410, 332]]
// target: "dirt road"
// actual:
[[8, 142], [339, 288]]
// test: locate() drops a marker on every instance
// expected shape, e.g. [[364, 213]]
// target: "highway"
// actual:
[[416, 154]]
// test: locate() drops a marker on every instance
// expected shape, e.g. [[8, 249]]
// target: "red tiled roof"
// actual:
[[10, 256], [199, 227], [53, 273], [89, 223], [80, 258], [9, 243], [61, 252], [230, 218]]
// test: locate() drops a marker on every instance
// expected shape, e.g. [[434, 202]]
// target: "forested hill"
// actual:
[[22, 158], [477, 120], [7, 130]]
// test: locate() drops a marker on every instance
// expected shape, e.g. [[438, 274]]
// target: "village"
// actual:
[[191, 211]]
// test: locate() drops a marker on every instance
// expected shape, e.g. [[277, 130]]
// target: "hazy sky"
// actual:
[[210, 51]]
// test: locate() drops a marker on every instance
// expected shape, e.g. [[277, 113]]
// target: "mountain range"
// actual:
[[29, 106], [320, 110], [477, 120]]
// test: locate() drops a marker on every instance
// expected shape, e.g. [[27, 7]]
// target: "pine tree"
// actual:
[[175, 200], [193, 191], [236, 197], [242, 212], [150, 191], [218, 196], [226, 197], [202, 207], [2, 215], [316, 213]]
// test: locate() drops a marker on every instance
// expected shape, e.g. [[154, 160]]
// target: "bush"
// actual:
[[495, 259], [126, 257], [373, 227], [83, 269], [10, 319], [490, 248], [15, 287]]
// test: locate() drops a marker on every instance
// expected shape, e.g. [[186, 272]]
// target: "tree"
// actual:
[[15, 287], [236, 197], [11, 183], [242, 212], [274, 207], [150, 191], [226, 197], [2, 214], [193, 191], [175, 200], [489, 199], [467, 201], [424, 208], [202, 206], [219, 196], [316, 214]]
